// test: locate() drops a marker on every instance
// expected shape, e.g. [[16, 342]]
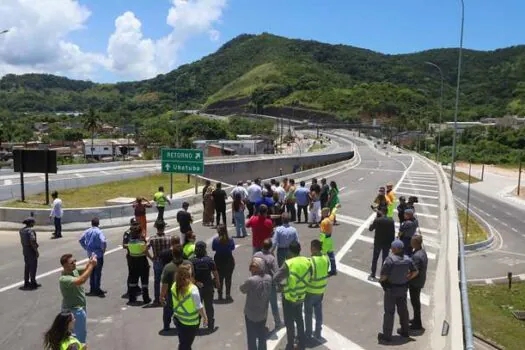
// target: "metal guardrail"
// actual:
[[465, 305]]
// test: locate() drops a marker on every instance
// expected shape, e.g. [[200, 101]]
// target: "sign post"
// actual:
[[35, 161]]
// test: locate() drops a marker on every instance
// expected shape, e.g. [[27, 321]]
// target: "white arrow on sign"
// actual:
[[167, 166], [197, 156]]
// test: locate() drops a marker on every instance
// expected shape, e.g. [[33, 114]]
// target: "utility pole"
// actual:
[[468, 195], [519, 177]]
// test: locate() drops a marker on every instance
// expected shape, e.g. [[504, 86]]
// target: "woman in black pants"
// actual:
[[224, 246]]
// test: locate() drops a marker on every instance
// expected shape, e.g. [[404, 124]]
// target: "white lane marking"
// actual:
[[361, 179], [423, 215], [423, 204], [105, 172], [513, 229], [422, 172], [521, 277], [353, 238], [370, 240], [21, 283], [418, 195], [427, 182], [8, 182], [504, 224], [489, 281], [79, 175], [342, 188], [488, 215], [371, 172], [363, 276], [418, 189], [420, 185]]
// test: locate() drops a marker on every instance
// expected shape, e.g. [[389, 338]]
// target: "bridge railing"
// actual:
[[465, 304]]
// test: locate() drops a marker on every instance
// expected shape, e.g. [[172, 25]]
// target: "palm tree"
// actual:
[[92, 124]]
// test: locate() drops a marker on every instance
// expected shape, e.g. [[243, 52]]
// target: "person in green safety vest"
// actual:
[[327, 225], [297, 271], [59, 336], [161, 199], [391, 195], [188, 310], [139, 266], [313, 301], [188, 249]]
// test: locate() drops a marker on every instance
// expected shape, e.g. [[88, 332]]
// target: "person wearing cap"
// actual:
[[184, 219], [397, 271], [30, 251], [125, 240], [139, 266], [401, 209], [408, 229], [381, 200], [415, 285], [206, 275], [257, 289], [391, 196]]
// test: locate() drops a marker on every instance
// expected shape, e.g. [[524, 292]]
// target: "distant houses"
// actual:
[[104, 148], [245, 145]]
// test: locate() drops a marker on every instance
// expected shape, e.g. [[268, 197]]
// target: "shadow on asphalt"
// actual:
[[172, 332]]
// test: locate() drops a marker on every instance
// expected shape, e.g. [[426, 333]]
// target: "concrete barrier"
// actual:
[[227, 173]]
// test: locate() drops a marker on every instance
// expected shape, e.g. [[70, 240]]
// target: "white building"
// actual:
[[101, 148], [240, 147]]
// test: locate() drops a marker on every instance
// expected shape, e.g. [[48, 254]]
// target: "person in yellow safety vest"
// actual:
[[327, 225], [391, 195], [297, 271], [161, 199], [59, 336], [187, 307], [188, 250], [139, 266], [315, 291]]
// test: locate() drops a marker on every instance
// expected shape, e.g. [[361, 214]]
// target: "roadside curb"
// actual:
[[487, 341], [479, 246]]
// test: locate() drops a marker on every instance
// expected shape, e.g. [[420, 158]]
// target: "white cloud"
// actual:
[[38, 38]]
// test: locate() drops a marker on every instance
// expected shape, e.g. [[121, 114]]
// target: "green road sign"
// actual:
[[183, 161]]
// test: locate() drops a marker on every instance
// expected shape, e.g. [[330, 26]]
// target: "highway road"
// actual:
[[352, 307], [507, 253]]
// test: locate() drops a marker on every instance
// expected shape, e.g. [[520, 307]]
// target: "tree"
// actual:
[[92, 124]]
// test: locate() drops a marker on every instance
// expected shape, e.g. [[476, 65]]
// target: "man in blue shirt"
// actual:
[[303, 200], [93, 242], [283, 236]]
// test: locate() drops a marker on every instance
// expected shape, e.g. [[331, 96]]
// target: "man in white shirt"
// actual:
[[56, 215], [282, 193], [239, 189], [254, 194]]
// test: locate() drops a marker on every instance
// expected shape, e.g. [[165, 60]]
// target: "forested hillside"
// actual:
[[253, 72]]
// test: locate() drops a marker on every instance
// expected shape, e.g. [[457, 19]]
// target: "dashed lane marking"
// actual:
[[361, 179], [422, 172], [420, 185], [424, 215], [513, 229], [79, 175]]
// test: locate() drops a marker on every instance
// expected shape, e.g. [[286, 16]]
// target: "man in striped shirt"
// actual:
[[159, 244]]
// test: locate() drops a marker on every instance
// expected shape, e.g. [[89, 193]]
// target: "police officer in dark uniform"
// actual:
[[125, 241], [138, 266], [30, 251], [397, 270], [408, 229], [205, 268]]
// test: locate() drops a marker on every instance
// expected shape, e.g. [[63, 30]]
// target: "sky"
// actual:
[[124, 40]]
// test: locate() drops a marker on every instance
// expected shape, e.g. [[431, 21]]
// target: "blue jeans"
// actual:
[[240, 223], [80, 329], [256, 334], [157, 273], [275, 306], [313, 303], [58, 226], [96, 275], [331, 256], [282, 255]]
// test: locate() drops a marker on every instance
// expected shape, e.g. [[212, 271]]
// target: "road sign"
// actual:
[[182, 161]]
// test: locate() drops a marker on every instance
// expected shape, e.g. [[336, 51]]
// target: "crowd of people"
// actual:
[[186, 277]]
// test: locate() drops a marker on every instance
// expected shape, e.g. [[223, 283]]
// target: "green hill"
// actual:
[[255, 72]]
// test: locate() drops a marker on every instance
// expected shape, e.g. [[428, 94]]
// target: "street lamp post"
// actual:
[[454, 136], [440, 108]]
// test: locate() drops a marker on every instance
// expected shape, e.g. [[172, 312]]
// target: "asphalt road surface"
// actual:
[[507, 253], [353, 307]]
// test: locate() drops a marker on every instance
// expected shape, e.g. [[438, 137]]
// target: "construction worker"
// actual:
[[161, 199], [327, 224], [297, 271], [139, 266], [391, 195], [125, 241], [315, 291], [188, 249], [397, 271]]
